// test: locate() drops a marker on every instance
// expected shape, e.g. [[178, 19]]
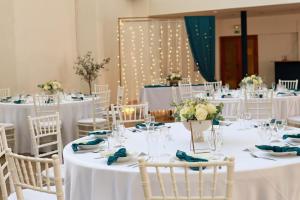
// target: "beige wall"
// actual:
[[278, 36], [39, 43], [163, 7]]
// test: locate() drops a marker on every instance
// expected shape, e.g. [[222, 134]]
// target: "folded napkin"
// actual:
[[279, 149], [287, 93], [290, 136], [75, 146], [100, 132], [215, 122], [20, 101], [49, 100], [120, 153], [226, 96], [181, 155], [6, 99], [77, 98], [143, 125]]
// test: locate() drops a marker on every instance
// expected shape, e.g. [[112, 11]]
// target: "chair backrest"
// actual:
[[186, 80], [5, 92], [46, 104], [120, 95], [45, 133], [101, 104], [260, 107], [100, 88], [5, 176], [233, 108], [185, 91], [289, 84], [184, 183], [24, 177], [213, 85], [129, 113]]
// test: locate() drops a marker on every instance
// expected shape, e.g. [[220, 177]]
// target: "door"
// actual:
[[231, 59]]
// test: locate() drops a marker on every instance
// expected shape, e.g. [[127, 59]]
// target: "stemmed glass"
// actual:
[[280, 125]]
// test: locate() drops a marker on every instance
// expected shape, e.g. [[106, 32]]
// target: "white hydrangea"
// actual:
[[201, 113]]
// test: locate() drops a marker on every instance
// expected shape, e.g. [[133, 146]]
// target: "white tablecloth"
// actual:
[[70, 112], [160, 98], [254, 179]]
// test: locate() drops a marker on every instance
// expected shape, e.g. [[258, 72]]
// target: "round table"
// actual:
[[70, 112], [91, 179]]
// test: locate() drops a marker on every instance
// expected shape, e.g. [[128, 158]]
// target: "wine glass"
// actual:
[[273, 86], [280, 125], [147, 121]]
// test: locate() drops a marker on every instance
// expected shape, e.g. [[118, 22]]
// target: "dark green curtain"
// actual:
[[201, 35]]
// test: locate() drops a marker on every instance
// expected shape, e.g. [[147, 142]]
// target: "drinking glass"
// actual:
[[147, 121], [280, 125], [214, 139], [273, 86]]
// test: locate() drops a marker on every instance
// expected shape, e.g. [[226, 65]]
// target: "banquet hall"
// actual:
[[149, 100]]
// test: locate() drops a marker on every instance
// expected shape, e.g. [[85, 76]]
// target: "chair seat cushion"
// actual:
[[33, 195], [90, 120], [295, 119], [51, 172], [7, 125]]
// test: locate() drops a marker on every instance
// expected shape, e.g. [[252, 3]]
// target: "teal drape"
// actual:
[[201, 35]]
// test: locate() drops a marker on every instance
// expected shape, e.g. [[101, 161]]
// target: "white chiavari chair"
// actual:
[[5, 177], [175, 97], [46, 137], [120, 95], [100, 115], [186, 80], [46, 104], [29, 183], [185, 91], [259, 105], [100, 88], [289, 84], [187, 183], [213, 85], [129, 113], [10, 134], [232, 108], [4, 93]]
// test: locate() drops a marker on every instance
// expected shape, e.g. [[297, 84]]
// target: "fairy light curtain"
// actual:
[[201, 34], [149, 50]]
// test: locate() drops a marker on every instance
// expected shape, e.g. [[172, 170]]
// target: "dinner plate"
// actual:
[[270, 152], [101, 136], [297, 140], [88, 147]]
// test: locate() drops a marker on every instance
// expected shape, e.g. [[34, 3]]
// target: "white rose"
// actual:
[[252, 76], [201, 113], [211, 109], [186, 112]]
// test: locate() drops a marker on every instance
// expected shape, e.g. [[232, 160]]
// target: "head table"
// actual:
[[254, 178], [70, 111], [160, 98]]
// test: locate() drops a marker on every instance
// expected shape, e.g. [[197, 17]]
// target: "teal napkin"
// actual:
[[155, 86], [75, 146], [226, 96], [100, 132], [120, 153], [143, 125], [20, 101], [181, 155], [290, 136], [279, 149], [77, 98], [215, 122]]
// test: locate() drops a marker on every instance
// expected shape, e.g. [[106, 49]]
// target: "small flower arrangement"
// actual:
[[197, 109], [51, 87], [174, 76], [251, 80]]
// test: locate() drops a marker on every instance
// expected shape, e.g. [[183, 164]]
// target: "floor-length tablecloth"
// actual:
[[160, 98], [70, 112], [254, 179]]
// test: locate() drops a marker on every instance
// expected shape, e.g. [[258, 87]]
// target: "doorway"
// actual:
[[231, 59]]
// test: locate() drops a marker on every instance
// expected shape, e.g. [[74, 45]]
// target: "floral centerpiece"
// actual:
[[51, 87], [88, 68], [197, 115], [251, 81], [174, 78]]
